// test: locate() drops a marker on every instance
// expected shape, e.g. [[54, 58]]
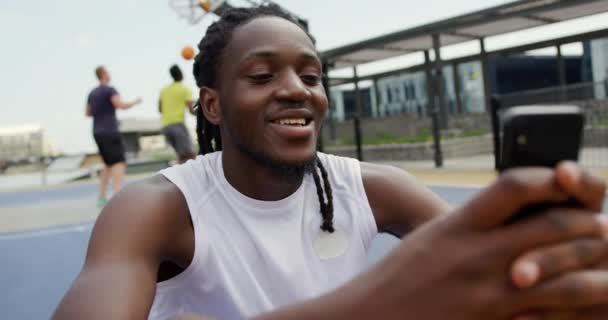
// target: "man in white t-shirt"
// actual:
[[263, 226]]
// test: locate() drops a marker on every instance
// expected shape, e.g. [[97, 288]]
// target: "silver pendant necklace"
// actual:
[[330, 245]]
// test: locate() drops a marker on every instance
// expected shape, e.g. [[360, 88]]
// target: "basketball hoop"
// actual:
[[194, 10]]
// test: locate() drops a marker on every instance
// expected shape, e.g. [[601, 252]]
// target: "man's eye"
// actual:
[[260, 78], [311, 79]]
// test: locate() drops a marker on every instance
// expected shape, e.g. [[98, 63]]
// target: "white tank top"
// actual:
[[253, 256]]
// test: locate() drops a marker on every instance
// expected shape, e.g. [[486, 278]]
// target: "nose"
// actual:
[[292, 88]]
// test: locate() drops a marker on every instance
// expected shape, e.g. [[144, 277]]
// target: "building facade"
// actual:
[[25, 142]]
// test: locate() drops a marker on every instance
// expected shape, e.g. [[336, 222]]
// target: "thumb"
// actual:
[[588, 190]]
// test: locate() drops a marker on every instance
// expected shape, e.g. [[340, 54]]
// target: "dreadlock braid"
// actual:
[[206, 65], [204, 148], [327, 208], [328, 215]]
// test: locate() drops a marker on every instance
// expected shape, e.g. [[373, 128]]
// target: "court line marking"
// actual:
[[78, 228]]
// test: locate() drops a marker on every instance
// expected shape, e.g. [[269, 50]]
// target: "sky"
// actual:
[[51, 48]]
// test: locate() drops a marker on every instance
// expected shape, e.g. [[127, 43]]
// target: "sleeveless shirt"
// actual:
[[253, 256]]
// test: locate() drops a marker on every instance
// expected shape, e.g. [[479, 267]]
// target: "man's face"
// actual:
[[270, 92], [105, 76]]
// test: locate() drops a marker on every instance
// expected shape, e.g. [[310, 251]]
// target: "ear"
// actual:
[[210, 102]]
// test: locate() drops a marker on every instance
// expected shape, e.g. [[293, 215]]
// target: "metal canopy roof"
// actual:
[[513, 16]]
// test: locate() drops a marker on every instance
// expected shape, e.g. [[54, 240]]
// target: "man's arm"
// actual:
[[189, 101], [399, 201], [136, 229], [119, 104], [88, 112], [190, 105]]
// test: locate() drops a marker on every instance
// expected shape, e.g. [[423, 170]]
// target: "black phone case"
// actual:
[[540, 135]]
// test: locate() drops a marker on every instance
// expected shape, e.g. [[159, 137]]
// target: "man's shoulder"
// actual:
[[382, 173], [328, 157], [152, 201], [376, 171], [165, 88], [174, 87], [186, 88], [94, 90], [343, 172], [156, 189], [197, 176], [152, 191], [156, 183], [181, 87], [103, 89]]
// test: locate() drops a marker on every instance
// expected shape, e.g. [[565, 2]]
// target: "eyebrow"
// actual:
[[272, 54]]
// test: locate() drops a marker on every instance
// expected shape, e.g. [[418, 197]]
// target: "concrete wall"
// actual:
[[452, 148], [596, 111], [398, 126]]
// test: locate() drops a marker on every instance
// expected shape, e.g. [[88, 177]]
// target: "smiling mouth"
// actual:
[[296, 122]]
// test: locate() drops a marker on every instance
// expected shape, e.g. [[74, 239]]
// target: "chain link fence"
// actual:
[[408, 135]]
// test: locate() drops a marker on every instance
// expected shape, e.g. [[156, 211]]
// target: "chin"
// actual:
[[297, 155], [291, 161]]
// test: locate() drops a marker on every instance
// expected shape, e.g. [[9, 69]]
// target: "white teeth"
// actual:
[[292, 122]]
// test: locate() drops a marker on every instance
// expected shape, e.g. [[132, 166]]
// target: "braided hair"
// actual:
[[205, 71]]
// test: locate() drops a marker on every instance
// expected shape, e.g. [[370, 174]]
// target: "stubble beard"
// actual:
[[289, 171]]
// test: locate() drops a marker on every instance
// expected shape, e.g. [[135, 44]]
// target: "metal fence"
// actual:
[[592, 98]]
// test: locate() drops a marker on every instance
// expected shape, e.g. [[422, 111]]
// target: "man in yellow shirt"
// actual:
[[174, 98]]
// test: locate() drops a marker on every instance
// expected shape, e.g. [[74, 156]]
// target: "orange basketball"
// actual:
[[205, 5], [187, 53]]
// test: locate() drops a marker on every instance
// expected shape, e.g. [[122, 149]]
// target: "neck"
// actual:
[[256, 180]]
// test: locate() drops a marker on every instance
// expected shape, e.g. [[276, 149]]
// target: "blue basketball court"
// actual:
[[38, 266]]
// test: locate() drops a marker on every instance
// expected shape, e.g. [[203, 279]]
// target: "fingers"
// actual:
[[514, 190], [602, 265], [552, 226], [573, 290], [522, 187], [546, 315], [589, 313], [544, 263], [589, 190], [187, 317], [593, 313]]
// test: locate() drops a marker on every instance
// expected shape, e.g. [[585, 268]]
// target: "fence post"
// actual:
[[494, 107], [325, 83], [358, 142], [561, 74], [358, 115], [43, 170], [432, 108]]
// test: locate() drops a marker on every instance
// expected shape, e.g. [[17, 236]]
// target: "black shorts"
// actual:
[[111, 148]]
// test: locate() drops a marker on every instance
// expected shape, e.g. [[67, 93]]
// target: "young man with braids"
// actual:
[[262, 226]]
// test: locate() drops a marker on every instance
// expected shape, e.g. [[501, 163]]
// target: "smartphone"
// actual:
[[540, 135], [536, 136]]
